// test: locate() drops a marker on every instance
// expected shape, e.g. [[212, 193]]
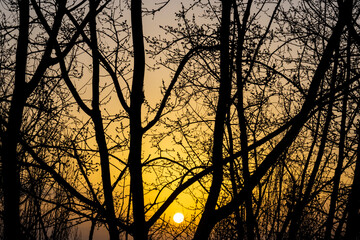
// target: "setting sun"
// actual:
[[178, 217]]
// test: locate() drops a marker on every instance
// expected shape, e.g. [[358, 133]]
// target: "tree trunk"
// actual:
[[240, 83], [136, 131], [204, 228], [10, 167], [238, 219], [99, 131]]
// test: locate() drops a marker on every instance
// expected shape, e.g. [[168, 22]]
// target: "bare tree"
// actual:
[[246, 125]]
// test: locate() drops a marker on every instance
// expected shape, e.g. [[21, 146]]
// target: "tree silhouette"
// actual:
[[252, 130]]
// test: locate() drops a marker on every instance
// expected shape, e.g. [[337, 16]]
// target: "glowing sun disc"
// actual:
[[178, 217]]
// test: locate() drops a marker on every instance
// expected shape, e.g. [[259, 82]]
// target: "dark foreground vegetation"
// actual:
[[244, 113]]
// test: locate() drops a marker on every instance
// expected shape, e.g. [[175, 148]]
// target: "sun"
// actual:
[[178, 217]]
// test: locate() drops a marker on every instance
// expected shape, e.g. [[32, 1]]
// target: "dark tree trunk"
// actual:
[[10, 167], [99, 130], [234, 184], [204, 228], [240, 83], [136, 131]]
